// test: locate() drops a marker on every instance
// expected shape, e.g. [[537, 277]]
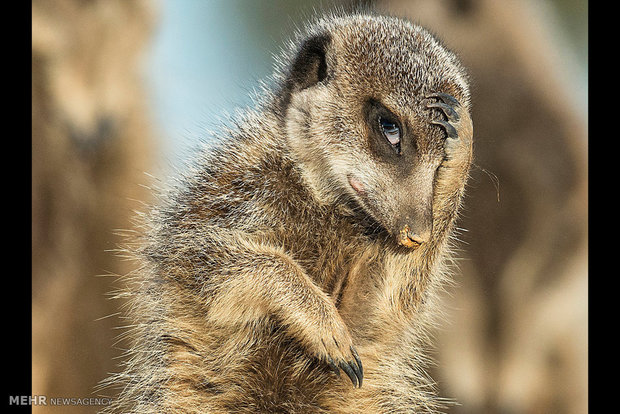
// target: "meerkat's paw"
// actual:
[[333, 345], [457, 125]]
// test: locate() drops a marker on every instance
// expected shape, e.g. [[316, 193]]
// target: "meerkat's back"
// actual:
[[294, 267]]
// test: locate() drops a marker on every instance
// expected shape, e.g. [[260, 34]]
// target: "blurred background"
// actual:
[[122, 90]]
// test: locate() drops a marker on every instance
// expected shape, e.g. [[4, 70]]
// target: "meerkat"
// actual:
[[292, 269]]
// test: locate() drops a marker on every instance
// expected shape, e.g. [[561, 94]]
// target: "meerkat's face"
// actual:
[[361, 112]]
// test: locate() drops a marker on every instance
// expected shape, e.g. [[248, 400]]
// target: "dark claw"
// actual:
[[333, 366], [446, 103], [360, 368], [356, 370], [447, 109], [448, 127], [346, 367], [449, 99]]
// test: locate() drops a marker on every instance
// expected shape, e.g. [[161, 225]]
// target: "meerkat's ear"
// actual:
[[310, 64]]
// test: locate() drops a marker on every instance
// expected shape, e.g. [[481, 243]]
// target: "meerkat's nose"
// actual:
[[413, 239], [418, 238]]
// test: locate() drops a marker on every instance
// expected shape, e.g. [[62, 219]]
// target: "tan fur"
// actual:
[[266, 263]]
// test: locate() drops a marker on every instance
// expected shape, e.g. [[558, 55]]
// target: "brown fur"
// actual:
[[266, 263]]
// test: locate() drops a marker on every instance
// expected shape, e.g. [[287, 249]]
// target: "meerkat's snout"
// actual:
[[415, 225], [412, 210]]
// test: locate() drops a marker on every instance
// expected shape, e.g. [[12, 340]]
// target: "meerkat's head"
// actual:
[[354, 101]]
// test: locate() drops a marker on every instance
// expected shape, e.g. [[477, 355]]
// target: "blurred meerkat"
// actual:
[[91, 143], [309, 240]]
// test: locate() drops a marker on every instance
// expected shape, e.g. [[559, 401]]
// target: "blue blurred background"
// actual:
[[206, 59]]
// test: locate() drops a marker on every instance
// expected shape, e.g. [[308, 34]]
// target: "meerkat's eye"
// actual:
[[386, 132], [391, 132]]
